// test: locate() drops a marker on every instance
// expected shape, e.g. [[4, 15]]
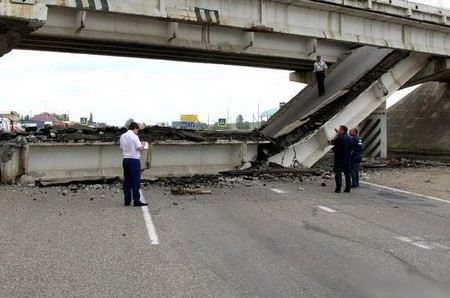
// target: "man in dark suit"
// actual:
[[342, 152], [356, 157]]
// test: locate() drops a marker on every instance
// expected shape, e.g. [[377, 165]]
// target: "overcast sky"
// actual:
[[115, 89]]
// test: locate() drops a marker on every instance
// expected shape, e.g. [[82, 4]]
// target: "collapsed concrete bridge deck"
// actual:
[[356, 87]]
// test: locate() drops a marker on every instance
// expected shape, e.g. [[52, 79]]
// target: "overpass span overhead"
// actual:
[[281, 34]]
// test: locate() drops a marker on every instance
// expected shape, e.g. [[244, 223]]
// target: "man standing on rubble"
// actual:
[[321, 70], [342, 151], [131, 148], [356, 157]]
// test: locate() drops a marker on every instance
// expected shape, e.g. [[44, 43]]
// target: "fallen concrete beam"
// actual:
[[49, 162], [310, 149], [351, 74]]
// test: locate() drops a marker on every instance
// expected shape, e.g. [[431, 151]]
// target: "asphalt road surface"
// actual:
[[267, 239]]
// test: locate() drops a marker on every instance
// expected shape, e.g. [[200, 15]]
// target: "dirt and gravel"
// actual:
[[431, 181], [112, 134], [419, 174]]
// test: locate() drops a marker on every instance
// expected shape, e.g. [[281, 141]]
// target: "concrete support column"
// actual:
[[374, 134], [9, 164]]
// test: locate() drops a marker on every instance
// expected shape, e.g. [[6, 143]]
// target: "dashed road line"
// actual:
[[327, 209], [405, 192], [151, 230], [277, 190], [420, 244]]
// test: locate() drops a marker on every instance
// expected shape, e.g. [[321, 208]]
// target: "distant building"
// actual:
[[45, 117], [162, 124], [11, 115]]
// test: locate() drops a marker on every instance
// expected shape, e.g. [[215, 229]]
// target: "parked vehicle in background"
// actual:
[[19, 127], [5, 125], [29, 126]]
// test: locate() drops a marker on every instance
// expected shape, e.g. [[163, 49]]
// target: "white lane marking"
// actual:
[[404, 239], [153, 236], [405, 192], [327, 209], [280, 191], [420, 244]]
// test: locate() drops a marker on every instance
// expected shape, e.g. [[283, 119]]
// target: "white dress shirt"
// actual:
[[130, 144], [320, 66]]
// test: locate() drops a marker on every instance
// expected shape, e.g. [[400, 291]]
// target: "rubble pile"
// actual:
[[112, 134]]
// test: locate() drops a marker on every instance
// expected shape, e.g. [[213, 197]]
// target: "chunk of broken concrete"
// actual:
[[190, 191]]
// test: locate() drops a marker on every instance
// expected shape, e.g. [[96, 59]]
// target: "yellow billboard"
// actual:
[[189, 118]]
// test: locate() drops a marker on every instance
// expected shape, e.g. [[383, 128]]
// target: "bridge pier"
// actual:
[[373, 132], [17, 20]]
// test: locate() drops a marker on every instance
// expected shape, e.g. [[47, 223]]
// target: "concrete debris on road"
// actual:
[[400, 163], [190, 191], [72, 181]]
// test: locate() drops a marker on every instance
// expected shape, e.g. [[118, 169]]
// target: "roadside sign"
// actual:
[[83, 120], [222, 122], [189, 118]]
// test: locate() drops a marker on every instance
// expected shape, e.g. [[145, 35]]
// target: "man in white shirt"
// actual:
[[320, 69], [131, 148]]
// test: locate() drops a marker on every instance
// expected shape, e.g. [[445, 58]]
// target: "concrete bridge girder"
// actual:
[[285, 34], [121, 34], [384, 25]]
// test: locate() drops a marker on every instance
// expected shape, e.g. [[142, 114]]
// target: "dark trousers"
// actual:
[[338, 171], [320, 77], [354, 172], [132, 179]]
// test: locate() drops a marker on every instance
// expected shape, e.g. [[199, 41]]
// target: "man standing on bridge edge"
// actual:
[[342, 151], [321, 70], [131, 148], [356, 157]]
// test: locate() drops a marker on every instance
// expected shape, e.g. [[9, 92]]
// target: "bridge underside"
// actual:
[[265, 33], [137, 50]]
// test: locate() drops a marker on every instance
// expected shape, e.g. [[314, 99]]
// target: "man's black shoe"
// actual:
[[127, 204], [347, 190], [337, 190], [139, 204]]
